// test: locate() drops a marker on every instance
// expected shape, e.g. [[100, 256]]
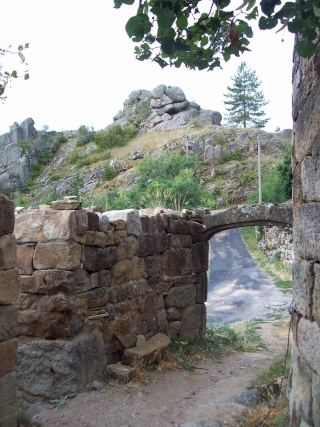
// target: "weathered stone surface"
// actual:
[[153, 243], [49, 324], [180, 240], [309, 343], [8, 252], [198, 257], [128, 248], [8, 322], [51, 225], [316, 294], [153, 265], [60, 255], [150, 352], [66, 205], [103, 222], [201, 286], [306, 232], [54, 368], [303, 286], [174, 328], [193, 320], [9, 286], [25, 258], [8, 356], [96, 238], [119, 236], [6, 215], [101, 279], [173, 313], [96, 259], [310, 178], [174, 262], [120, 372], [131, 217], [93, 221], [8, 401], [180, 296]]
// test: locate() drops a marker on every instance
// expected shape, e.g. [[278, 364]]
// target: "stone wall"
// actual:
[[91, 282], [9, 291], [277, 243], [305, 375]]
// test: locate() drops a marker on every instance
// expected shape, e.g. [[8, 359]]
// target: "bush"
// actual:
[[115, 136], [85, 135], [224, 158]]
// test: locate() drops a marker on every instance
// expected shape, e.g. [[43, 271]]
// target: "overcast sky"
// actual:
[[82, 67]]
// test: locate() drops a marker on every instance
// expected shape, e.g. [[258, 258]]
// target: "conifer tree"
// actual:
[[244, 99]]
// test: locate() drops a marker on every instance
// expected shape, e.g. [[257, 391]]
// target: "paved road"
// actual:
[[238, 289]]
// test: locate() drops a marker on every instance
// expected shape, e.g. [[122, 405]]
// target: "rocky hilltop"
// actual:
[[45, 164]]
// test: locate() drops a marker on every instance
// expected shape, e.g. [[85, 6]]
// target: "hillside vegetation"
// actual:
[[212, 166]]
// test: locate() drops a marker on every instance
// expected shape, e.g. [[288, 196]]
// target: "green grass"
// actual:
[[282, 274], [219, 340]]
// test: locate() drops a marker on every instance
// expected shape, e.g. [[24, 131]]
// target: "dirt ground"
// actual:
[[173, 398]]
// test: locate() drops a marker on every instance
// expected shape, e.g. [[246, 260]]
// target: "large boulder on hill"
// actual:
[[164, 107]]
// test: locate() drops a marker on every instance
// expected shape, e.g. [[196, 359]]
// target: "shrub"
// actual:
[[108, 173], [115, 136], [224, 158], [85, 135]]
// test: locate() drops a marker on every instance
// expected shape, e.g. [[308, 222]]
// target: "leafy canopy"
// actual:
[[201, 33], [244, 99]]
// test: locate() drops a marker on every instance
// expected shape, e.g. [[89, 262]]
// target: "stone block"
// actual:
[[153, 265], [97, 297], [316, 294], [120, 372], [9, 286], [60, 255], [8, 322], [174, 262], [303, 282], [8, 401], [103, 222], [109, 238], [96, 238], [306, 126], [198, 258], [148, 353], [180, 296], [8, 252], [54, 368], [310, 178], [306, 232], [8, 356], [193, 321], [128, 248], [316, 398], [121, 272], [66, 205], [101, 279], [119, 236], [153, 243], [51, 325], [178, 226], [308, 336], [96, 259], [130, 217], [138, 271], [201, 286], [93, 221], [174, 328], [51, 225], [180, 240], [25, 258], [6, 215], [173, 313], [52, 281]]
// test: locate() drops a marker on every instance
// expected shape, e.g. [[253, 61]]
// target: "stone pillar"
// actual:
[[305, 373], [9, 290]]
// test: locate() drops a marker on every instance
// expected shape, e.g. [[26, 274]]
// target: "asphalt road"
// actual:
[[238, 290]]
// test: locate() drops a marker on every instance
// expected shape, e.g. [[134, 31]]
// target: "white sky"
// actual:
[[82, 66]]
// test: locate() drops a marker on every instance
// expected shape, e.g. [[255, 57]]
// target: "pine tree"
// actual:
[[245, 100]]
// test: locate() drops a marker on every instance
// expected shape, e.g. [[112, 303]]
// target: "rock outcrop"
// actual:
[[21, 149], [165, 107]]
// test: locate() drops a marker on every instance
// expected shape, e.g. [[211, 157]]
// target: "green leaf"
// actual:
[[26, 76], [137, 26], [267, 6], [165, 17], [181, 45], [267, 23], [316, 11], [295, 26], [182, 21], [119, 3], [305, 49], [14, 74]]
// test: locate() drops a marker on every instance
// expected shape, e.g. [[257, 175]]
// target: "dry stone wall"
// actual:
[[305, 375], [9, 291], [277, 243], [92, 283]]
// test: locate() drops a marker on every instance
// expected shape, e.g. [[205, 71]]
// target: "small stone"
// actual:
[[96, 386], [120, 372], [66, 205]]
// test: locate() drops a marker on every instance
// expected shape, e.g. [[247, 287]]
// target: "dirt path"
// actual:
[[172, 398]]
